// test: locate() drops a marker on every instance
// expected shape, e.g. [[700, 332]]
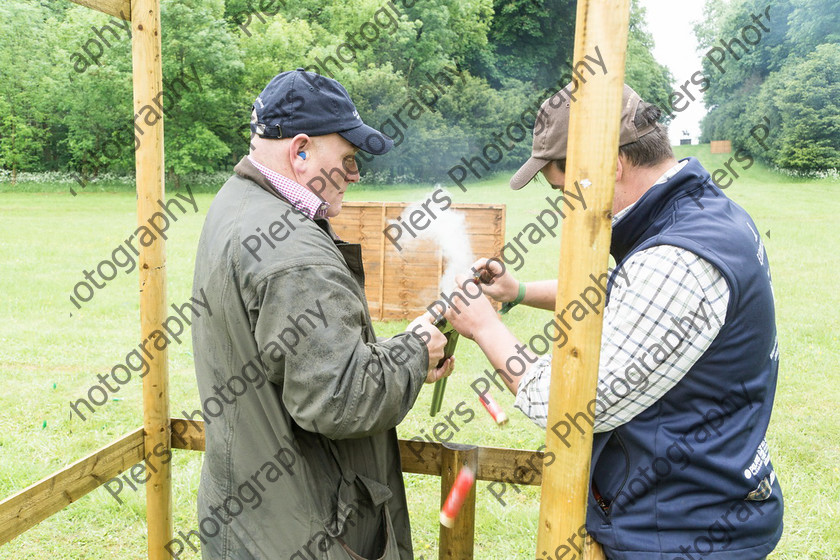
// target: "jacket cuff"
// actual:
[[418, 350]]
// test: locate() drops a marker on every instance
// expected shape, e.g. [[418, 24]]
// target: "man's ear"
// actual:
[[300, 149], [619, 170]]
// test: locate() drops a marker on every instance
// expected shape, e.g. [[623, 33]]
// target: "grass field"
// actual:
[[49, 357]]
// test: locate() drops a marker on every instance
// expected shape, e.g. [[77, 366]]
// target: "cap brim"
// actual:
[[368, 139], [527, 172]]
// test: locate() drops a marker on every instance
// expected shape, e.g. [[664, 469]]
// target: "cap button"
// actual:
[[300, 70]]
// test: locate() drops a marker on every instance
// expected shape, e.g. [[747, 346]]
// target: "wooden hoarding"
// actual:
[[721, 146], [401, 284]]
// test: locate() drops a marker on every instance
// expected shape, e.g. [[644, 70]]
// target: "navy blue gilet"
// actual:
[[690, 478]]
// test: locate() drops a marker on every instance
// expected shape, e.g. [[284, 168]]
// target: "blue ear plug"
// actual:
[[302, 155]]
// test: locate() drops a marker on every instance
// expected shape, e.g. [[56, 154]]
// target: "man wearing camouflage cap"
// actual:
[[689, 353]]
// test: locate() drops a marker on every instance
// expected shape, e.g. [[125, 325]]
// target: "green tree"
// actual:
[[24, 86], [812, 23], [449, 31], [801, 103], [498, 57], [96, 103], [202, 72], [531, 40], [784, 81], [742, 73], [202, 69]]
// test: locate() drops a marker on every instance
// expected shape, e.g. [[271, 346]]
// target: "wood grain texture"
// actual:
[[458, 542], [116, 8], [721, 146], [148, 85], [601, 26], [32, 505], [401, 284], [187, 434]]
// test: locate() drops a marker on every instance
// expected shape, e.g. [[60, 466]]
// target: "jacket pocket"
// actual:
[[359, 498], [361, 522], [605, 489], [390, 552]]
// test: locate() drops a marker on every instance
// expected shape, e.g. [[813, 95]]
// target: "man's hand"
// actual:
[[496, 281], [500, 285], [475, 318], [435, 342], [441, 372], [476, 314]]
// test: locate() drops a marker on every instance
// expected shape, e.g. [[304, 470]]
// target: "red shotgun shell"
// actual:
[[494, 409], [453, 503]]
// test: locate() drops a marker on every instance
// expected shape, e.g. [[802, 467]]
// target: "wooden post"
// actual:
[[383, 222], [457, 543], [148, 83], [591, 161]]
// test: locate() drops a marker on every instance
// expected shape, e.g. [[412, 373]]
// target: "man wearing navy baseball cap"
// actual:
[[305, 128], [300, 400]]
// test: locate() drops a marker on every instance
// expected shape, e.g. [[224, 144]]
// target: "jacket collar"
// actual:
[[247, 170], [633, 227]]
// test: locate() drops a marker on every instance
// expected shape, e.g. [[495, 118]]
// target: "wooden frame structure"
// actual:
[[593, 143]]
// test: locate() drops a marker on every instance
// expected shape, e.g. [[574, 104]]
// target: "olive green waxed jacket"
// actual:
[[299, 399]]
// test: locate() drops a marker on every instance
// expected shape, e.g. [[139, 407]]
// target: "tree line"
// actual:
[[440, 76], [783, 74]]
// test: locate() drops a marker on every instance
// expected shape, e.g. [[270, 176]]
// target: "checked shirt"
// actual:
[[665, 286], [301, 198]]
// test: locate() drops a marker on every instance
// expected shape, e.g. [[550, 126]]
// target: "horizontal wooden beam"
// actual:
[[116, 8], [518, 466], [421, 457], [187, 434], [32, 505]]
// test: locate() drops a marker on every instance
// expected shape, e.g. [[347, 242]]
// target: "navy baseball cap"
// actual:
[[301, 102]]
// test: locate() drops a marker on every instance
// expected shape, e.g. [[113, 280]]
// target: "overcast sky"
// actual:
[[672, 26]]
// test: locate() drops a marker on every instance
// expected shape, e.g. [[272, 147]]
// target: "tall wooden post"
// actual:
[[591, 161], [148, 82]]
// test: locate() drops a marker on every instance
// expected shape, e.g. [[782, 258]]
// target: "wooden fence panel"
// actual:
[[400, 284], [721, 146]]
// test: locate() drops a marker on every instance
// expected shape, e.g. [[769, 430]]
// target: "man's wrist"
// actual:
[[520, 296], [422, 342], [488, 333]]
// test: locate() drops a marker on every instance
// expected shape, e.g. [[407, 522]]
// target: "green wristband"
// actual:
[[511, 304], [520, 296]]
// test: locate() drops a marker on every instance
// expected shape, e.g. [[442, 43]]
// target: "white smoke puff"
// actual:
[[449, 231]]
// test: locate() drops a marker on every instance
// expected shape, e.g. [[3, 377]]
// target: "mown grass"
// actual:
[[48, 358]]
